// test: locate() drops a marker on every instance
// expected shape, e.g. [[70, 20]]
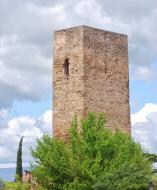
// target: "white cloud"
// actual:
[[26, 39], [142, 115], [142, 73], [46, 121], [144, 127], [29, 127]]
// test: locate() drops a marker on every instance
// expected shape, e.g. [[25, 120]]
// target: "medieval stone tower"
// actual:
[[90, 73]]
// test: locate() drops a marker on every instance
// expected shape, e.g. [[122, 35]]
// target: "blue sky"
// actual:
[[26, 43], [37, 108], [142, 92]]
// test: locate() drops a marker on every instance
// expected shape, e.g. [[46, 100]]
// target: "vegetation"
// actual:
[[151, 157], [2, 184], [95, 158], [17, 186], [19, 162]]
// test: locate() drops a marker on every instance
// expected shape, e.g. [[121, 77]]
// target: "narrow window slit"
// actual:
[[66, 67]]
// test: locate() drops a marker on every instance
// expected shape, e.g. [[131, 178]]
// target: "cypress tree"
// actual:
[[19, 161]]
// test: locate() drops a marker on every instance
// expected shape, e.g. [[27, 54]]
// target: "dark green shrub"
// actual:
[[95, 158]]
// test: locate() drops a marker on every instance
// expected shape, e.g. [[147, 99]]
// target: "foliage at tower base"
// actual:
[[95, 158], [19, 162]]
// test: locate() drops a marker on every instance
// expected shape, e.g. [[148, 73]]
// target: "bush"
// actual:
[[154, 180], [17, 186], [95, 158]]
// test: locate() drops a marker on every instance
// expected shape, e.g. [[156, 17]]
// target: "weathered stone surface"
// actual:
[[97, 79], [27, 177]]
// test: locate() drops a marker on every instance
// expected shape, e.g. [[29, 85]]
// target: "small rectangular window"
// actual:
[[66, 67]]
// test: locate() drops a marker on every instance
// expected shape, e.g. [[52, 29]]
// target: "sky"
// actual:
[[26, 44]]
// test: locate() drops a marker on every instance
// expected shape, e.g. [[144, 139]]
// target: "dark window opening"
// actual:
[[105, 68], [66, 67]]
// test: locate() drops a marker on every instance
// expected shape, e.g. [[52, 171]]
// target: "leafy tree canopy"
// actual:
[[151, 157], [95, 158]]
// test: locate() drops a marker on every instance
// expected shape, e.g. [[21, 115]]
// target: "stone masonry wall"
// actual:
[[67, 100], [106, 83], [98, 77]]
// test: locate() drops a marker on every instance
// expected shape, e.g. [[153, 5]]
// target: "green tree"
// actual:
[[19, 161], [95, 158], [151, 157]]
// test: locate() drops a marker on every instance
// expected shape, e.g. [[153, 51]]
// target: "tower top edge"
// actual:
[[87, 27]]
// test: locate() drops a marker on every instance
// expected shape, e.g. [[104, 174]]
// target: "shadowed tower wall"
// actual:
[[90, 73]]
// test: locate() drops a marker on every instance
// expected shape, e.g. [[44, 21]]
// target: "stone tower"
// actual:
[[90, 73]]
